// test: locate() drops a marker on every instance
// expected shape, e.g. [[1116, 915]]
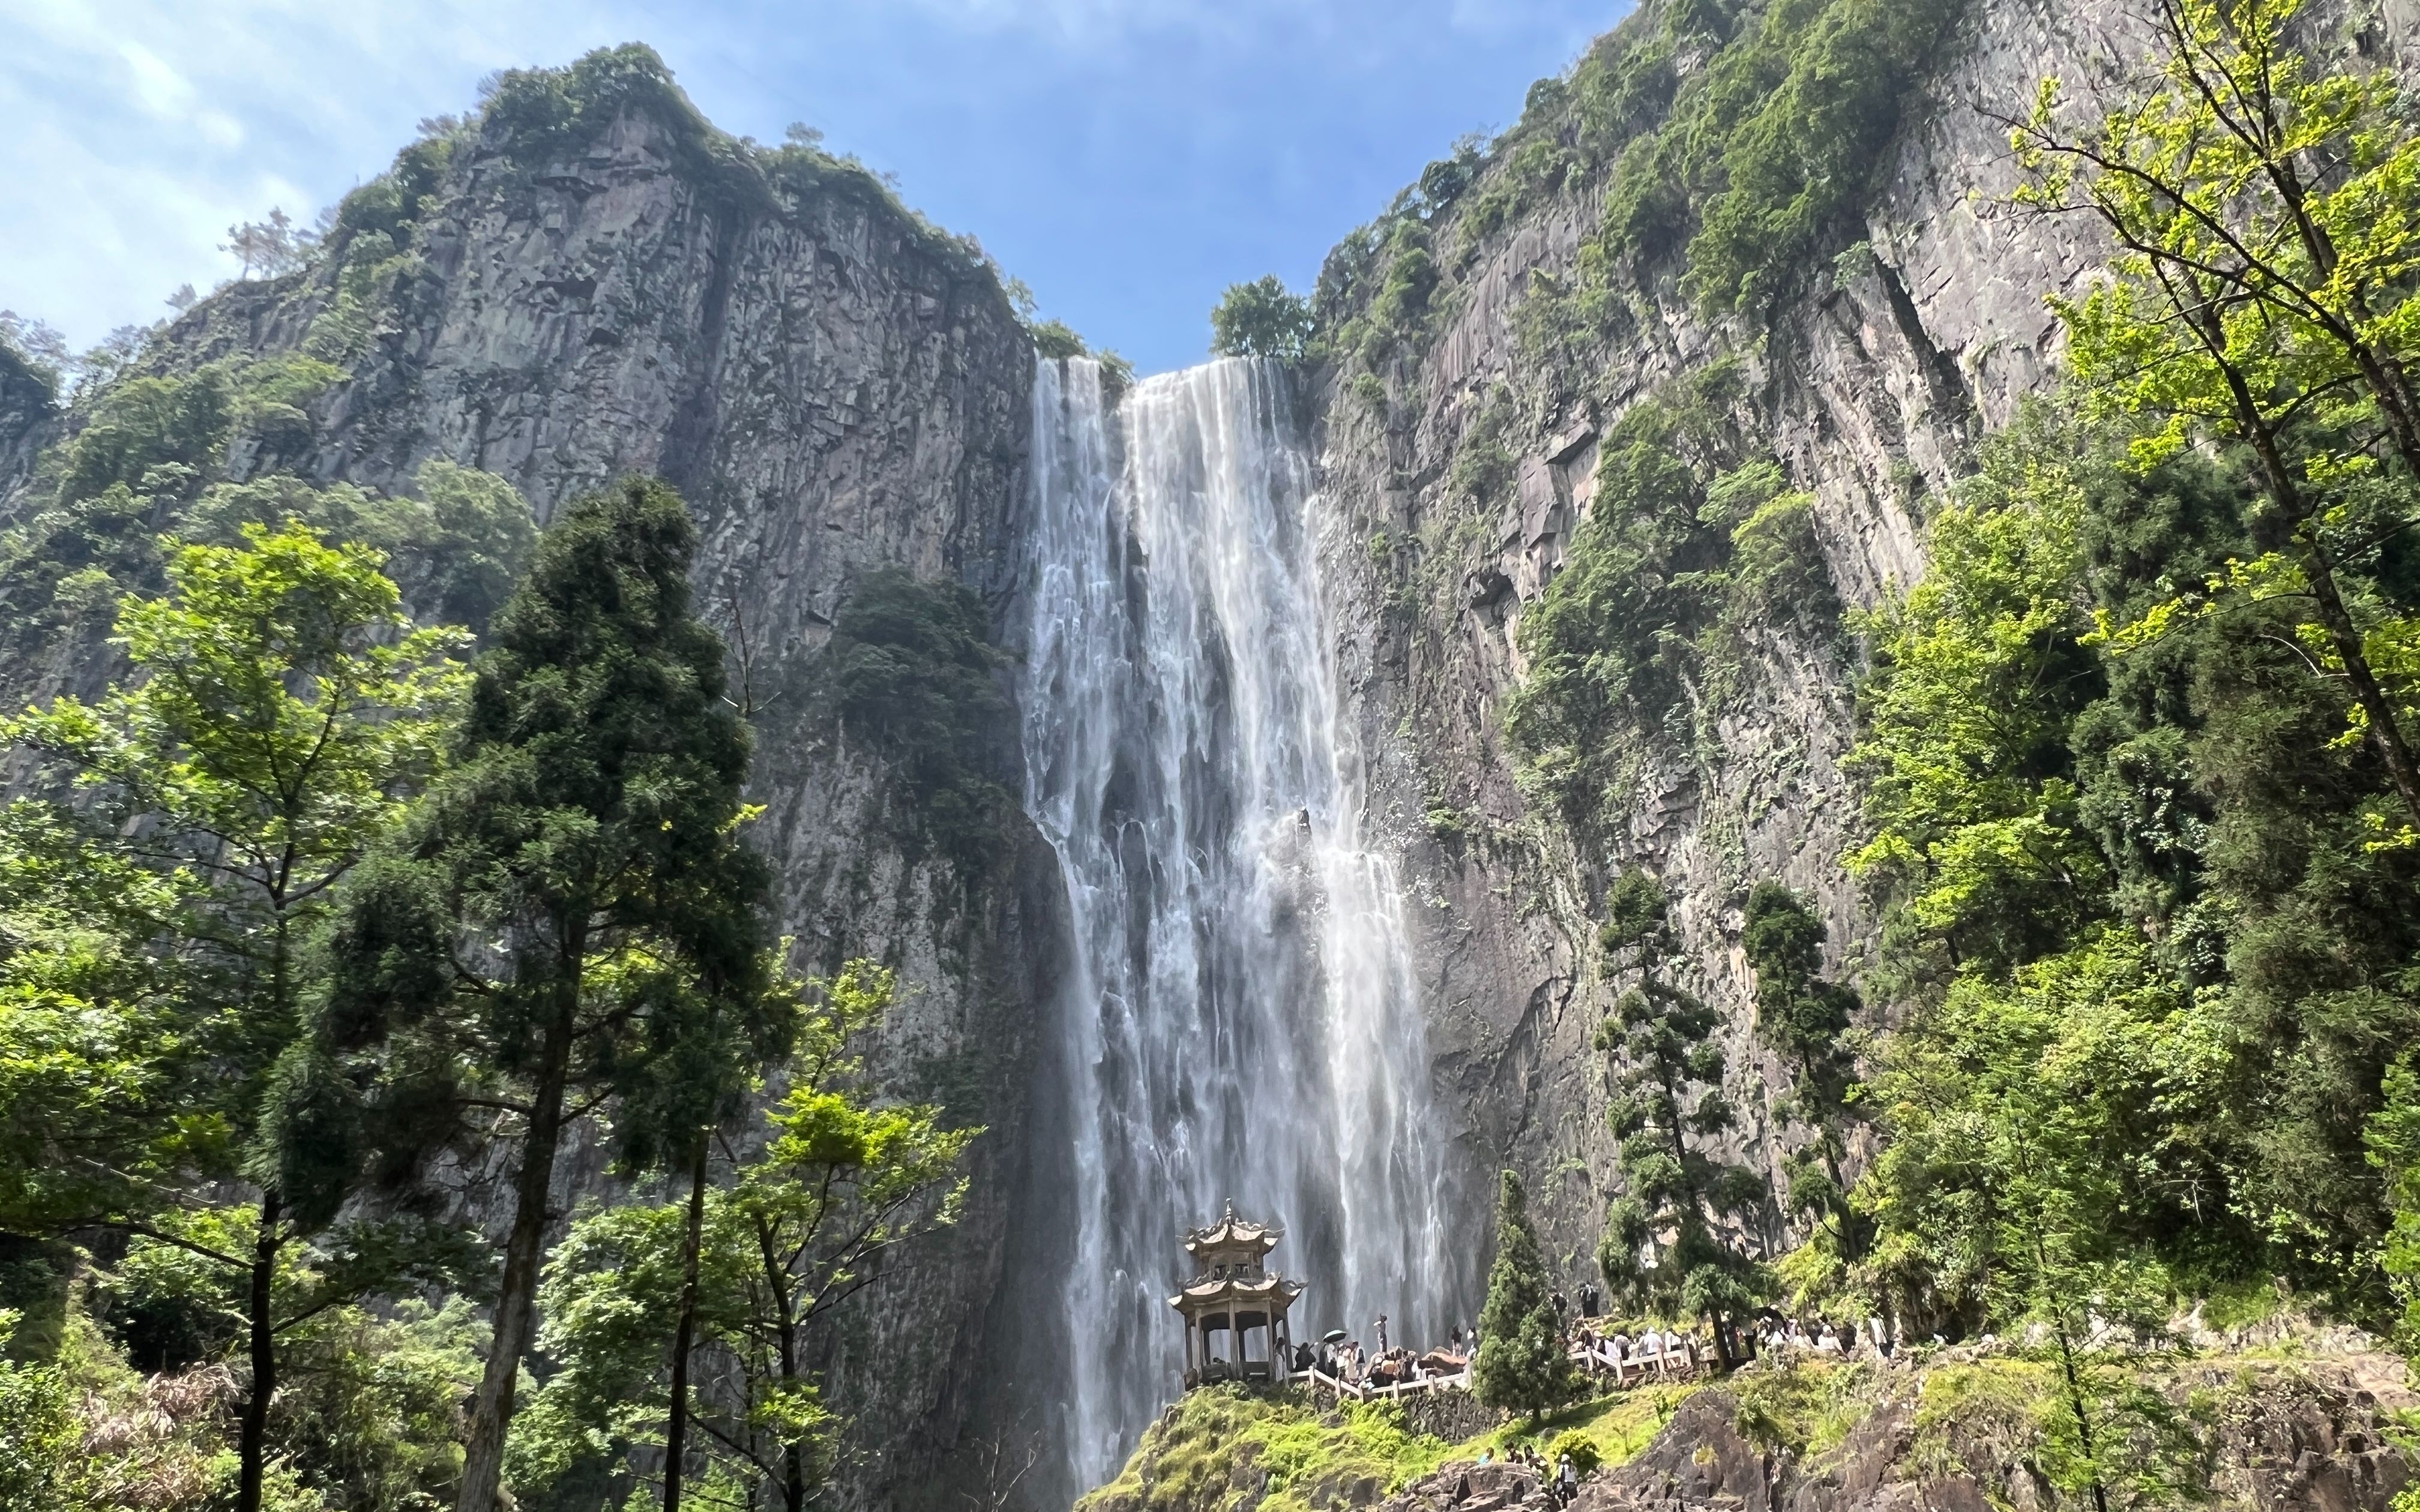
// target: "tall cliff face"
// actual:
[[1459, 458], [835, 388]]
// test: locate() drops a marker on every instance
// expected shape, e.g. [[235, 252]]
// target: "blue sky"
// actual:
[[1128, 158]]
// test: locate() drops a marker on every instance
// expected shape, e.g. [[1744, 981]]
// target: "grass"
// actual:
[[1241, 1450], [1803, 1406], [1619, 1426]]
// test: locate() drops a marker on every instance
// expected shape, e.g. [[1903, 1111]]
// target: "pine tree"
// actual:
[[1662, 1247], [1521, 1364], [1803, 1018], [570, 906]]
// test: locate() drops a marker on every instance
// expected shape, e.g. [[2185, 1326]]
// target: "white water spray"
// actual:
[[1240, 1019]]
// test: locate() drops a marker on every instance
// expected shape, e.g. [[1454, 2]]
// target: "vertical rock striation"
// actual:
[[835, 388], [1466, 457]]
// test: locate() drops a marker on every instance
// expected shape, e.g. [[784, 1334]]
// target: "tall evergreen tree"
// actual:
[[1521, 1364], [1803, 1018], [572, 899], [1663, 1247]]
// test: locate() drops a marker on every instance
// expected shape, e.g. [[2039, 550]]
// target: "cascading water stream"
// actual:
[[1240, 1019]]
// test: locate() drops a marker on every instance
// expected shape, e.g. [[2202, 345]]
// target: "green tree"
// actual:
[[284, 711], [35, 1452], [558, 909], [2041, 1131], [2393, 1139], [1804, 1020], [1261, 319], [1523, 1366], [2269, 236], [1663, 1247], [779, 1245], [1976, 846]]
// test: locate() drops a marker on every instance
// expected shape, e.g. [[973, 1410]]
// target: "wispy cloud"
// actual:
[[144, 128], [1123, 155]]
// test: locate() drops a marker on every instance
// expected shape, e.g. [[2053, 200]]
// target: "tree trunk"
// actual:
[[2385, 731], [683, 1333], [252, 1444], [2082, 1417], [491, 1411], [794, 1460]]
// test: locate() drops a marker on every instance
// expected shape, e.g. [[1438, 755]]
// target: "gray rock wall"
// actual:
[[834, 388], [1872, 385]]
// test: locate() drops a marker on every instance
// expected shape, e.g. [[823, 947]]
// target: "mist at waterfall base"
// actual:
[[1238, 1015]]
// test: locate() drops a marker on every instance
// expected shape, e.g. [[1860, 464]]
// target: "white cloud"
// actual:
[[141, 129]]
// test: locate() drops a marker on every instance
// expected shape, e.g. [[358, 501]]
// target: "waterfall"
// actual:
[[1240, 1019]]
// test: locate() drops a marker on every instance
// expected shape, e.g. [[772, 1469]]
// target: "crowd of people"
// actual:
[[1345, 1359], [1560, 1479], [1774, 1334], [1604, 1346]]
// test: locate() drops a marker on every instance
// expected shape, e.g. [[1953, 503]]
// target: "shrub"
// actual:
[[912, 668], [1260, 319], [1580, 1446]]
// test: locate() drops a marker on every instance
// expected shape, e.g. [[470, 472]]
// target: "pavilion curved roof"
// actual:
[[1232, 1233], [1211, 1293]]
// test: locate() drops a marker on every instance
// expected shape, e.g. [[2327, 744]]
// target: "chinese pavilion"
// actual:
[[1232, 1294]]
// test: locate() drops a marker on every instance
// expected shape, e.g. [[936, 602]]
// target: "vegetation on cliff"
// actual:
[[1232, 1449], [2134, 753], [328, 919]]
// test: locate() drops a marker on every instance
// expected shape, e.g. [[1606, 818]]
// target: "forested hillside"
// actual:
[[456, 968]]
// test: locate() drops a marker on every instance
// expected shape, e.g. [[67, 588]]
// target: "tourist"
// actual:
[[1592, 1301], [1567, 1480]]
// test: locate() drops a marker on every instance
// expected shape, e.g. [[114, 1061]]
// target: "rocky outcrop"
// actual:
[[1871, 382], [2308, 1443], [835, 387]]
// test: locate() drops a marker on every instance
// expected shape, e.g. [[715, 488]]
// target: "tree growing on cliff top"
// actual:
[[1522, 1366], [1260, 319]]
